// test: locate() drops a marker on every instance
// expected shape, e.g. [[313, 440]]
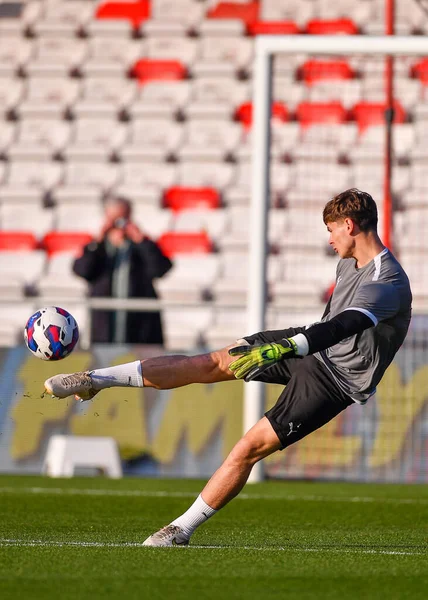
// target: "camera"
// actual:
[[120, 223]]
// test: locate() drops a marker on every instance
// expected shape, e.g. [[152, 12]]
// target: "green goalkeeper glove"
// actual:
[[254, 360]]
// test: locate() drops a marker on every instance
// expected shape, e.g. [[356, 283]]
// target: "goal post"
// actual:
[[265, 49]]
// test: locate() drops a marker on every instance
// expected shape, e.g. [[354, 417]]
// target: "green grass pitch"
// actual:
[[81, 538]]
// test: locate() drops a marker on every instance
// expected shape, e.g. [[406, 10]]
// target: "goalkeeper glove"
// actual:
[[254, 360]]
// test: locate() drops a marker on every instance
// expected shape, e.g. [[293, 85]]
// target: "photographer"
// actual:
[[122, 263]]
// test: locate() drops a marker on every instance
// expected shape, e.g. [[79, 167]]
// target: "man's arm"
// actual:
[[253, 360], [92, 262]]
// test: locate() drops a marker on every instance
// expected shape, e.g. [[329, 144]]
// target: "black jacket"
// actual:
[[147, 262]]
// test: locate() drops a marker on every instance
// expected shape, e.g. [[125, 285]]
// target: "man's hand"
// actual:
[[254, 360]]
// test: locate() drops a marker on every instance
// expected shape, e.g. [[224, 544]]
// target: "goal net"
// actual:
[[320, 127]]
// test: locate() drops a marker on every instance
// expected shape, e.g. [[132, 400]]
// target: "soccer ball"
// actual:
[[51, 333]]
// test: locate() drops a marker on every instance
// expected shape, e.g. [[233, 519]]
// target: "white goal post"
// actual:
[[265, 48]]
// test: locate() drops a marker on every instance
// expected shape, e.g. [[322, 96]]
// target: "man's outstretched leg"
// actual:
[[226, 483], [162, 372]]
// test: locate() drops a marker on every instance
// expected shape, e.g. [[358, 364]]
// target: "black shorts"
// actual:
[[311, 397]]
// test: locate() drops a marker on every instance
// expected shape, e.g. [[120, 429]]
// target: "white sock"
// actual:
[[126, 375], [197, 514]]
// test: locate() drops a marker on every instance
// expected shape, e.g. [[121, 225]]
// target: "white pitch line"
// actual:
[[58, 544], [242, 496]]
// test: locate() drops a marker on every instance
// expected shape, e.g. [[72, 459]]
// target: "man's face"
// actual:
[[340, 238], [117, 210]]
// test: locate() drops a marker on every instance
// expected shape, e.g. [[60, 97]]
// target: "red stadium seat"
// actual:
[[63, 241], [244, 113], [309, 113], [331, 26], [177, 242], [247, 12], [420, 71], [373, 113], [321, 70], [273, 28], [136, 12], [17, 240], [158, 70], [182, 198]]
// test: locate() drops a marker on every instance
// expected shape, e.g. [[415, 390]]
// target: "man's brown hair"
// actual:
[[353, 204]]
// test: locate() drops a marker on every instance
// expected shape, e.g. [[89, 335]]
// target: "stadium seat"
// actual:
[[346, 91], [227, 55], [11, 92], [23, 266], [17, 240], [317, 70], [158, 70], [185, 327], [273, 28], [329, 27], [68, 217], [110, 57], [29, 180], [216, 97], [247, 12], [153, 139], [182, 49], [287, 10], [62, 19], [39, 139], [62, 241], [320, 112], [181, 198], [151, 219], [95, 139], [373, 113], [104, 97], [188, 12], [214, 222], [157, 100], [419, 70], [135, 12], [190, 279], [56, 57], [325, 141], [244, 113], [15, 52], [48, 97], [145, 182], [205, 174], [59, 281], [86, 181], [159, 28], [173, 243], [26, 217], [210, 140]]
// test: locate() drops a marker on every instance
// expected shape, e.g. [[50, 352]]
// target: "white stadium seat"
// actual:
[[160, 99], [48, 97], [104, 97], [153, 139], [111, 57], [39, 139], [96, 139]]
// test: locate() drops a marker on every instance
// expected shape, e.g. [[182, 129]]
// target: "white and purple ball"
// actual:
[[51, 333]]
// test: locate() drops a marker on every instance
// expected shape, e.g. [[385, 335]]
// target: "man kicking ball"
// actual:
[[324, 367]]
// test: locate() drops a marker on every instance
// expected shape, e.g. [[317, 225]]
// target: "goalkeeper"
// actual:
[[325, 367]]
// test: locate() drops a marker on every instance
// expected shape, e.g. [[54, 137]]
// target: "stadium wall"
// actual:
[[187, 432]]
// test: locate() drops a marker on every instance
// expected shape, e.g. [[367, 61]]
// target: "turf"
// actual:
[[81, 538]]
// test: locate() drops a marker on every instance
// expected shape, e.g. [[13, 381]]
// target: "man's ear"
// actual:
[[350, 225]]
